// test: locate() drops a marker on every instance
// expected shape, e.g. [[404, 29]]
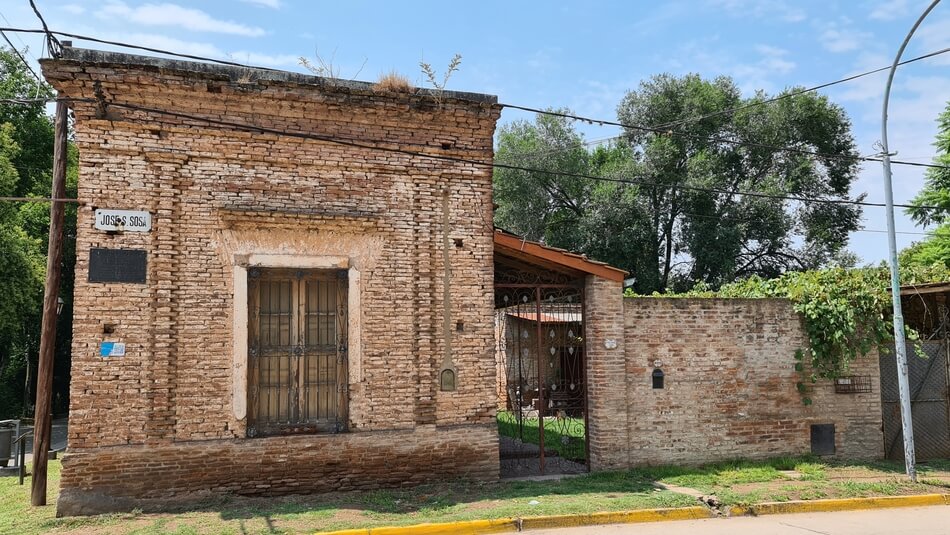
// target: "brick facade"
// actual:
[[170, 415], [729, 387]]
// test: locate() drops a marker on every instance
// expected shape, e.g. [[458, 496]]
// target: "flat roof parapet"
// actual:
[[233, 73]]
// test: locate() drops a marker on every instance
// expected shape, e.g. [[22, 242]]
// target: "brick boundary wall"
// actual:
[[126, 477], [730, 385]]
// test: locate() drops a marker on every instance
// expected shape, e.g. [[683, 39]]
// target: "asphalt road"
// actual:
[[904, 521], [57, 440]]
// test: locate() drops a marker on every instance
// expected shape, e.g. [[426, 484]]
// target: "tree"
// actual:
[[932, 204], [21, 282], [931, 251], [26, 157], [680, 219]]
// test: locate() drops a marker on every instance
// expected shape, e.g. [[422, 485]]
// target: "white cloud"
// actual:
[[271, 60], [208, 50], [751, 72], [915, 103], [273, 4], [73, 9], [544, 60], [761, 9], [177, 45], [174, 15], [841, 36], [934, 34], [774, 60], [890, 10]]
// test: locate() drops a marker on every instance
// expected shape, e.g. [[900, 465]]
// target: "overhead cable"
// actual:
[[375, 145], [716, 139]]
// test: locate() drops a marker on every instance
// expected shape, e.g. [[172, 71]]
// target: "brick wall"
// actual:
[[608, 405], [730, 385], [218, 195], [127, 477]]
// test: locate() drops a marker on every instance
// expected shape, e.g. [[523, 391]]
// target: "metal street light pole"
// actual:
[[900, 348]]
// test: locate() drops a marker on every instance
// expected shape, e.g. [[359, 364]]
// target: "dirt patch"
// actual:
[[348, 515], [482, 506], [126, 526], [772, 486], [859, 473]]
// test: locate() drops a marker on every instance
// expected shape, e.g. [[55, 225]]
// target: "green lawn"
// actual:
[[733, 483], [456, 500], [566, 436], [780, 480]]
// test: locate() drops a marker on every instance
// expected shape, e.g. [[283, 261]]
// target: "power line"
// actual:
[[801, 91], [783, 96], [40, 199], [717, 139], [30, 101], [363, 144], [898, 232], [54, 51], [144, 48], [655, 130], [17, 53], [476, 162], [26, 47]]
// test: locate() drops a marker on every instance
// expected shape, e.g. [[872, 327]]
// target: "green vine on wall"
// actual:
[[845, 313]]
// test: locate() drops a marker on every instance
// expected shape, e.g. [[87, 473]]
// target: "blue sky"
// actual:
[[581, 55]]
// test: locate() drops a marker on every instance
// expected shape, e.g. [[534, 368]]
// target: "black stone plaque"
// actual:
[[117, 265]]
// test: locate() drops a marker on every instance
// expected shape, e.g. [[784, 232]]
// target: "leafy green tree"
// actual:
[[932, 204], [26, 162], [21, 284], [932, 251], [668, 229]]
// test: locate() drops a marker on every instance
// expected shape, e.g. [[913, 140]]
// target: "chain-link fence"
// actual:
[[927, 364]]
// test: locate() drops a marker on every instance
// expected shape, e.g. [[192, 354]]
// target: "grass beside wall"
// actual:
[[442, 502], [738, 482]]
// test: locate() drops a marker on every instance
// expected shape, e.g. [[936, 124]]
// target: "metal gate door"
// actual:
[[928, 380], [540, 343]]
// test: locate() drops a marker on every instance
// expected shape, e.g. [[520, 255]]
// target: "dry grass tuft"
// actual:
[[393, 82]]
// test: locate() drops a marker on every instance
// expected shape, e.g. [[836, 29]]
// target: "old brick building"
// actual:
[[290, 283], [278, 292]]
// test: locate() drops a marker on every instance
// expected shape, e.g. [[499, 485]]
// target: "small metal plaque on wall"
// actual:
[[823, 439], [117, 265]]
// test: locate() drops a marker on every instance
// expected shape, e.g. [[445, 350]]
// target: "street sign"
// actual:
[[123, 220]]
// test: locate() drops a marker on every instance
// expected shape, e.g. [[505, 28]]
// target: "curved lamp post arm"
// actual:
[[900, 348]]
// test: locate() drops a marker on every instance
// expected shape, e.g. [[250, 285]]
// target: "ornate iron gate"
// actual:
[[540, 346], [928, 378]]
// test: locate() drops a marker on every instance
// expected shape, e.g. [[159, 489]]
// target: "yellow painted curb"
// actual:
[[618, 517], [468, 527], [502, 525], [839, 504]]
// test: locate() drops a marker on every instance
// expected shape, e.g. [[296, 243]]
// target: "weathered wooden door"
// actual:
[[297, 351]]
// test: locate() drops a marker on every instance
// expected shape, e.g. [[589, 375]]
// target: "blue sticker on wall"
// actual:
[[112, 349]]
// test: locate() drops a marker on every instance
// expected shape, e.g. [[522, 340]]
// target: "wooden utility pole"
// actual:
[[54, 260]]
